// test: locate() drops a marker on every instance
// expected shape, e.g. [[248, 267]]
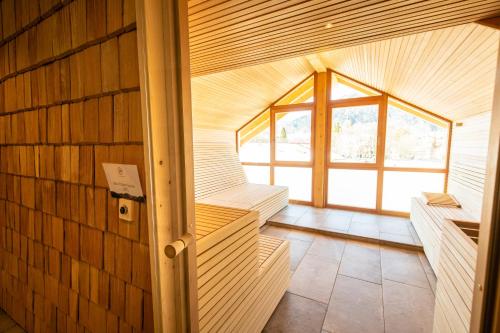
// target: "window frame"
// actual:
[[382, 101], [276, 108], [379, 165]]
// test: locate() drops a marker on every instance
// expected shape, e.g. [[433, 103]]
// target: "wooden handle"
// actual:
[[173, 249]]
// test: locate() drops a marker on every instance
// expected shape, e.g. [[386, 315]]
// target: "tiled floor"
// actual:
[[379, 227], [346, 286], [7, 325]]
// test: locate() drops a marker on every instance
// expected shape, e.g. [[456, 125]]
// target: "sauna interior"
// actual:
[[249, 166]]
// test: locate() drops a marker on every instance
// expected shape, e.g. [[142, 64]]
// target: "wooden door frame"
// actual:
[[486, 298], [163, 47]]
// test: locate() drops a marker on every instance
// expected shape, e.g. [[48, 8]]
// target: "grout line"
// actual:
[[305, 297], [333, 287]]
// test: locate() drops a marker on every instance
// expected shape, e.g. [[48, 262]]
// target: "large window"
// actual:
[[293, 135], [414, 139], [378, 151], [277, 146], [354, 134]]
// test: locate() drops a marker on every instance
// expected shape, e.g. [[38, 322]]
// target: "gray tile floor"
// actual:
[[346, 286], [379, 227], [7, 325]]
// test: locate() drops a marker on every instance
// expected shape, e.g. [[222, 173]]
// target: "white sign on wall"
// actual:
[[123, 180]]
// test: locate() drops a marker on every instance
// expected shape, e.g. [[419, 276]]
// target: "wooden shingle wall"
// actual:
[[70, 100]]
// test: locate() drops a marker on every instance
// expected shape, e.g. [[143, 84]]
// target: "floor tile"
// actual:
[[361, 262], [337, 220], [356, 306], [296, 314], [328, 247], [403, 266], [394, 225], [311, 220], [407, 309], [294, 210], [365, 217], [301, 235], [431, 277], [270, 230], [314, 278], [404, 239], [364, 229], [298, 250], [283, 218]]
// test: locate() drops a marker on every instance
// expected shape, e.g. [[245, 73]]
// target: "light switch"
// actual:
[[128, 210]]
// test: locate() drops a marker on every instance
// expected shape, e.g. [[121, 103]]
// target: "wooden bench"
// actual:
[[220, 180], [428, 223], [241, 275], [455, 286]]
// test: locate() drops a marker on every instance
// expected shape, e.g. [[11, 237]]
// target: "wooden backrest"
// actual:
[[216, 168], [469, 152]]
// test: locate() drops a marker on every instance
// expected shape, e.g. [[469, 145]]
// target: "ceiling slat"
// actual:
[[232, 34]]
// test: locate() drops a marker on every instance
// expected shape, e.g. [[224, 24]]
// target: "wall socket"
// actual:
[[128, 210]]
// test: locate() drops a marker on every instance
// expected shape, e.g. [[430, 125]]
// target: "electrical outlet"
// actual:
[[127, 210]]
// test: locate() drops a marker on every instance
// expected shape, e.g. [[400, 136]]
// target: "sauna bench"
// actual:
[[455, 285], [220, 180], [242, 275], [428, 223]]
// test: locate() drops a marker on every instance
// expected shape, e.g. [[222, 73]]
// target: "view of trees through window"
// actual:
[[414, 142], [293, 136], [354, 134]]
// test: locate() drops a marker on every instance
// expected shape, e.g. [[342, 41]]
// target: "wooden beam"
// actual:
[[316, 62], [320, 98]]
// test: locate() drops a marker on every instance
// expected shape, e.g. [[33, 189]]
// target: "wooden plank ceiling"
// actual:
[[227, 100], [229, 34], [447, 71]]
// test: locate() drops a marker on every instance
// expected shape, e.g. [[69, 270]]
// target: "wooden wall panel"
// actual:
[[70, 100], [469, 150]]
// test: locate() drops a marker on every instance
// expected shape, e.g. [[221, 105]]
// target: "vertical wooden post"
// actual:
[[381, 131], [320, 115], [163, 45], [488, 254]]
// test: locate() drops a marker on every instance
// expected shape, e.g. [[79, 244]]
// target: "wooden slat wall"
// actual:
[[225, 35], [454, 289], [469, 149], [216, 168], [70, 100], [213, 135]]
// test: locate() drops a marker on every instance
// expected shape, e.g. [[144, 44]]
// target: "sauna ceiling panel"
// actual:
[[449, 71], [228, 100], [231, 34]]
